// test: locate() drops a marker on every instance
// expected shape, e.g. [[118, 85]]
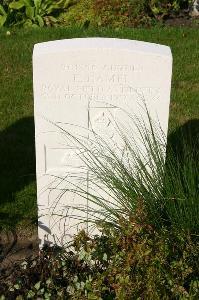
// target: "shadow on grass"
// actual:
[[185, 138], [181, 185], [17, 169]]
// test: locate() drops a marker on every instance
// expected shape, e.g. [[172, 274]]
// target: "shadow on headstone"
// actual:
[[17, 163]]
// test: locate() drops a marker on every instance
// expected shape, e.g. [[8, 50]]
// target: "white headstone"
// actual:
[[194, 8], [82, 83]]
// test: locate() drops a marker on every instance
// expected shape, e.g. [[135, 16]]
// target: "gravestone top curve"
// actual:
[[96, 43]]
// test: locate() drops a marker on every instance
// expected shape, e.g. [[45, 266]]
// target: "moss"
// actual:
[[112, 13], [120, 12], [79, 14]]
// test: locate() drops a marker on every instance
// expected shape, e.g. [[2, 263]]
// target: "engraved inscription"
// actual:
[[97, 83], [102, 122], [96, 92], [104, 67], [62, 159], [98, 78]]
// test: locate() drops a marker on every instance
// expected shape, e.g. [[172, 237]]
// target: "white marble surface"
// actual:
[[194, 11], [88, 83]]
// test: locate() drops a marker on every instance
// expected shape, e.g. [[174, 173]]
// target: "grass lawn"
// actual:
[[17, 156]]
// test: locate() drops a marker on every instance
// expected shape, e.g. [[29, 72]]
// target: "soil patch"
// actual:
[[15, 247], [182, 21]]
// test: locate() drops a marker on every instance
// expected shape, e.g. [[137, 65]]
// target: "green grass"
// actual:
[[17, 158]]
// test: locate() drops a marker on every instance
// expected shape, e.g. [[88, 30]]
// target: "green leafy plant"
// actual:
[[39, 12], [33, 12], [4, 12], [161, 9], [135, 261], [3, 16]]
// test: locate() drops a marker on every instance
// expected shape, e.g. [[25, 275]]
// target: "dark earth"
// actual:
[[15, 247], [182, 21]]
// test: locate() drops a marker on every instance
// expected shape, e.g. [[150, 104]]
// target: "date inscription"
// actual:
[[97, 83]]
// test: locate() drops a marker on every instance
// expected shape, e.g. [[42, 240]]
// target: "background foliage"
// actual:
[[33, 13], [165, 7], [85, 12]]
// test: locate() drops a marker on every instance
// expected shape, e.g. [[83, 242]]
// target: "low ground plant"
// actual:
[[133, 262]]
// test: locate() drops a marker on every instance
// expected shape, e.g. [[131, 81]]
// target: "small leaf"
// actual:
[[48, 281], [27, 2], [37, 285], [30, 12], [37, 4], [52, 19], [155, 10], [16, 286], [42, 291], [105, 257], [31, 294], [28, 23], [2, 10], [40, 21], [64, 3], [24, 265], [2, 20], [47, 296], [35, 26], [17, 5], [51, 8], [63, 263], [33, 264]]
